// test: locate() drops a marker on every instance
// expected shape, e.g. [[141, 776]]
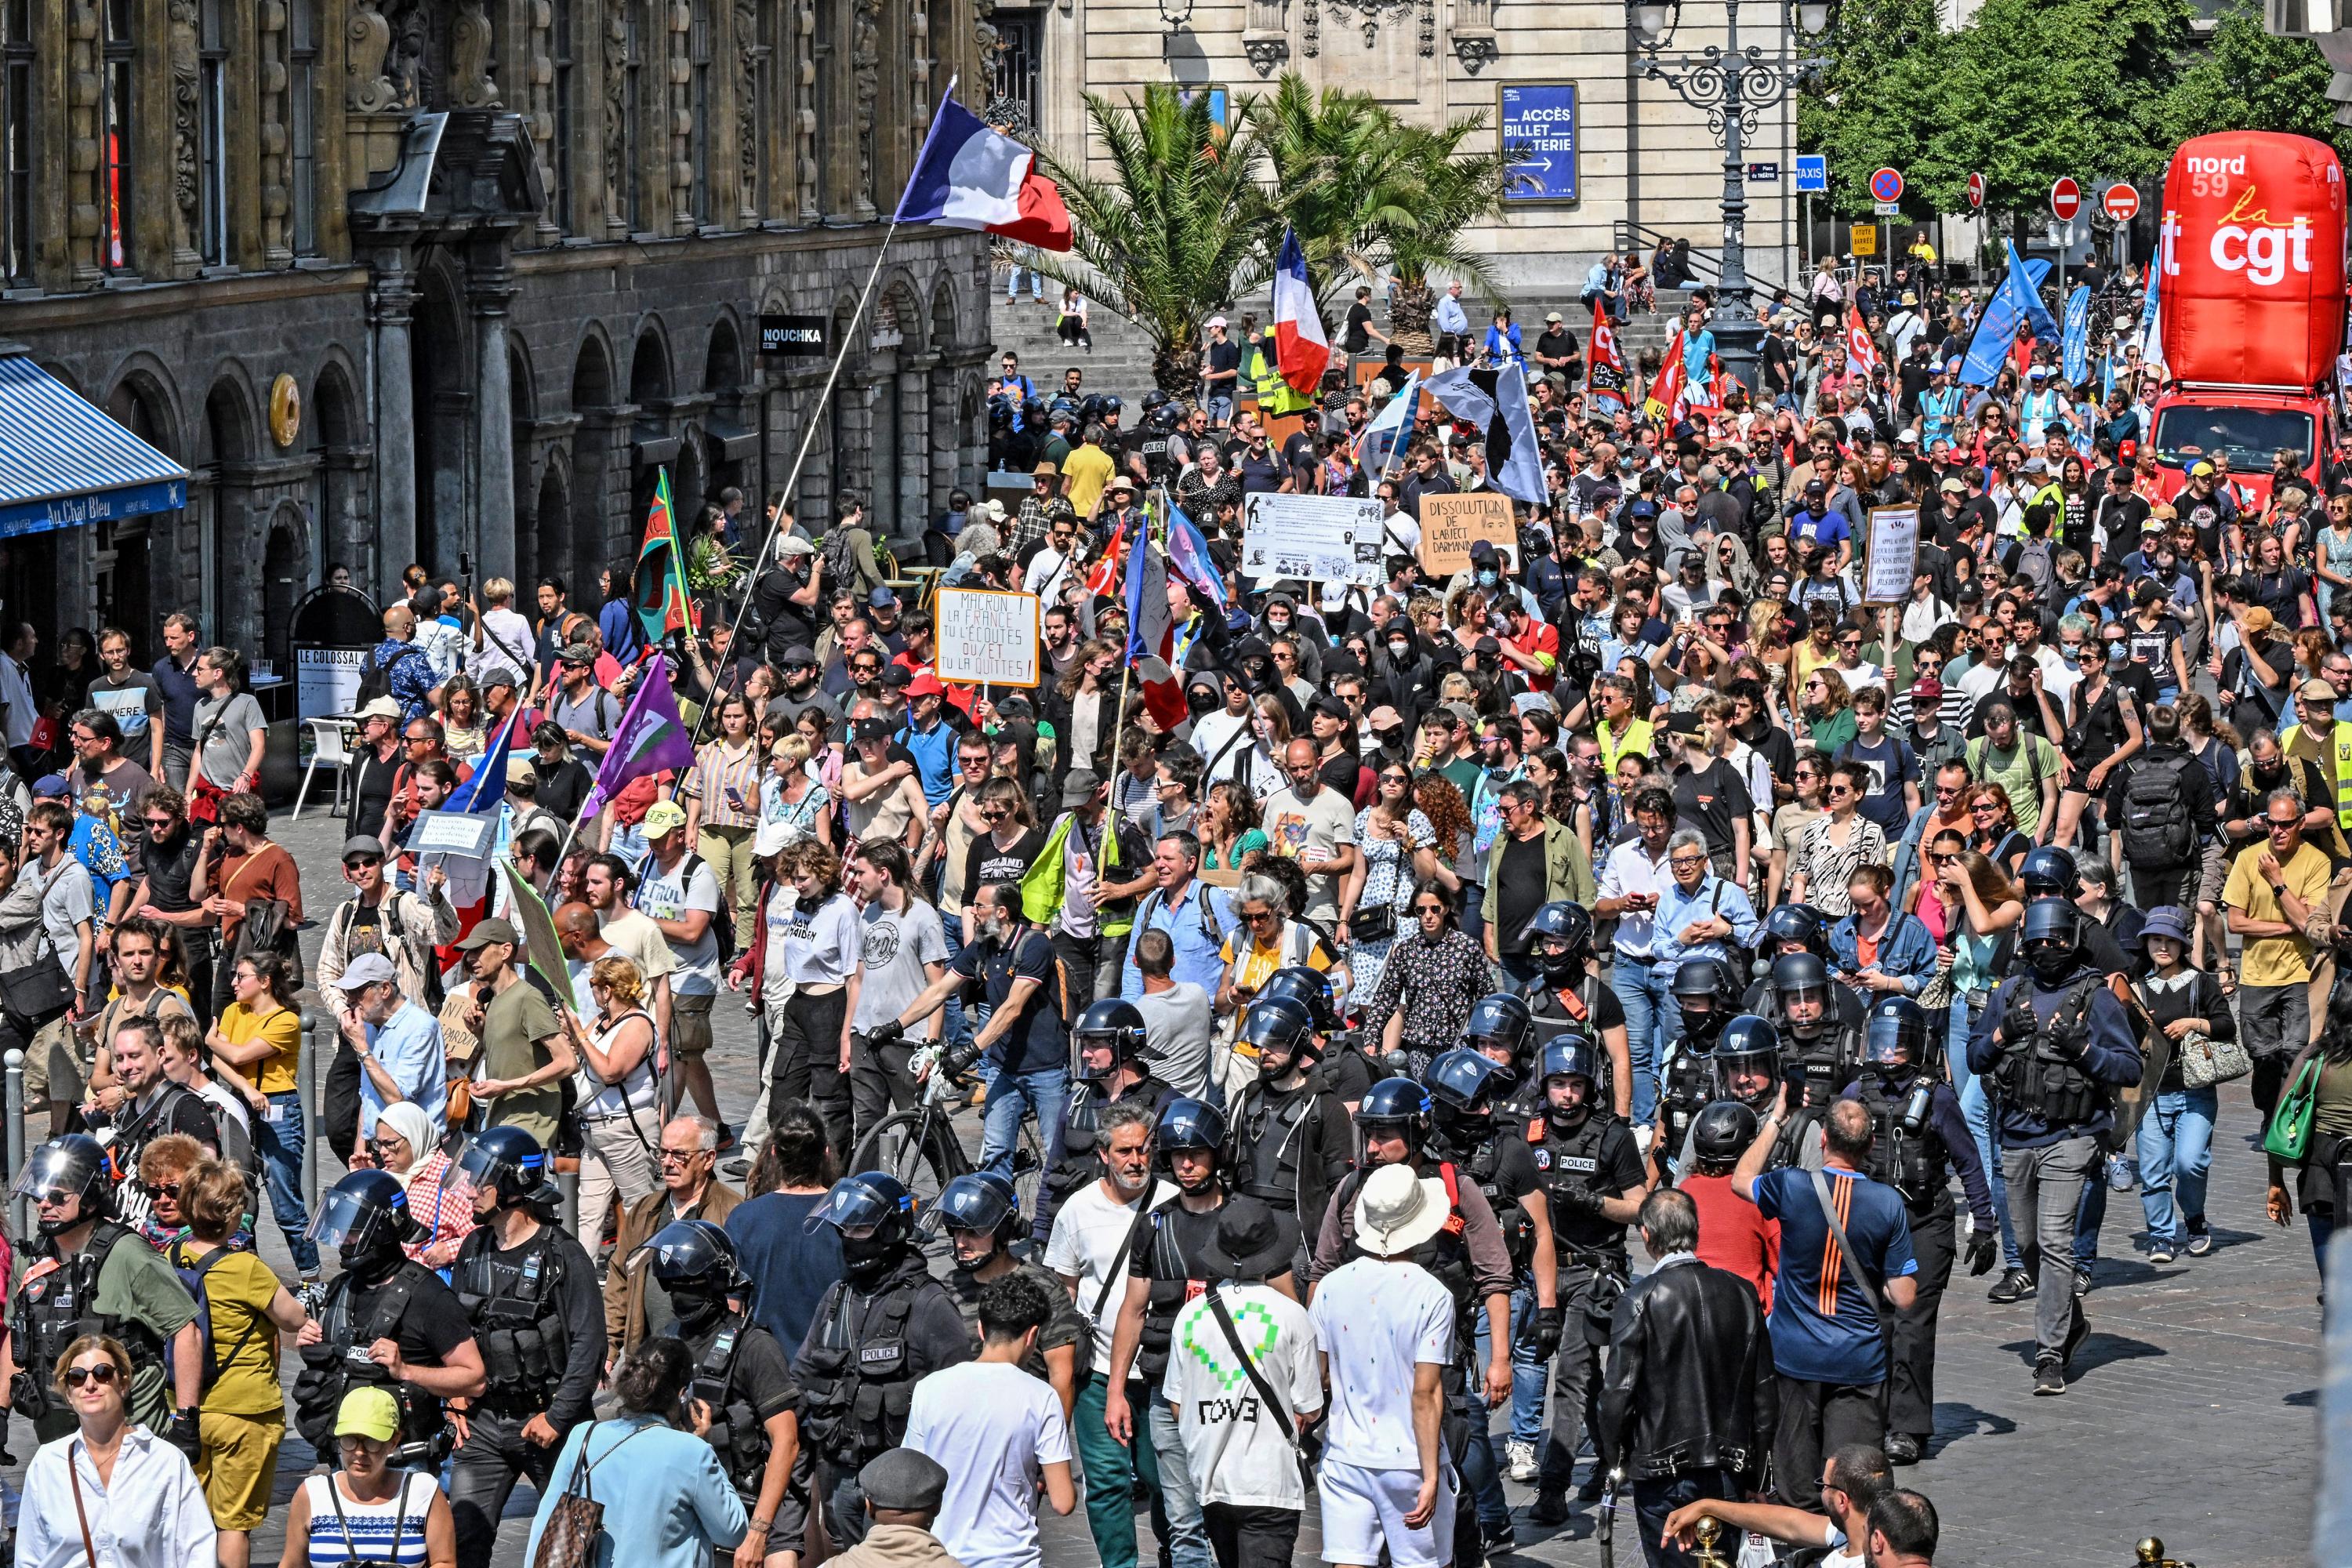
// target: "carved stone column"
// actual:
[[678, 74], [277, 199], [865, 80], [617, 171], [803, 76], [533, 46], [750, 56], [472, 66], [180, 34], [393, 297], [370, 97], [492, 290]]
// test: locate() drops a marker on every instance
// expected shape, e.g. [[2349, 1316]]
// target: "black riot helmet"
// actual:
[[978, 1203], [1795, 924], [505, 1161], [1747, 1058], [693, 1261], [1191, 1126], [1112, 1025], [1707, 994], [1499, 1023], [365, 1219], [1462, 1085], [1896, 1041], [74, 1164], [1565, 1059], [876, 1216], [2049, 871], [1722, 1133], [1282, 1035], [1801, 981], [2052, 937], [1561, 935], [1397, 1105], [1310, 988]]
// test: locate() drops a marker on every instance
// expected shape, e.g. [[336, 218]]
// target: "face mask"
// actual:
[[868, 1258], [1561, 968], [1399, 648], [1487, 579], [2050, 963], [368, 1262], [696, 1305], [1281, 626], [2118, 653]]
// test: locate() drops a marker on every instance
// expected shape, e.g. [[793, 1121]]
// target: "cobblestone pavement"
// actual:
[[2192, 1415]]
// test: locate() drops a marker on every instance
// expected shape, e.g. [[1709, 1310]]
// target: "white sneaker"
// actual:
[[1519, 1459]]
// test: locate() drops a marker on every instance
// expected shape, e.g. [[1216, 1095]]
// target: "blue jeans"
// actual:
[[1651, 1019], [1480, 1474], [1977, 1109], [2176, 1151], [280, 1143], [1528, 1370], [1013, 283], [1012, 1095], [2090, 1213], [1188, 1537]]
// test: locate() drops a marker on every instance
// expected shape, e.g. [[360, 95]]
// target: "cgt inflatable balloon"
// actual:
[[2251, 248]]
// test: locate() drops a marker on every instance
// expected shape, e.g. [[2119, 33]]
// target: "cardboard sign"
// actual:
[[1450, 525], [988, 636], [1316, 539], [1890, 551]]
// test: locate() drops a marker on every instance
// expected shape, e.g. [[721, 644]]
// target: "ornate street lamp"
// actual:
[[1730, 82]]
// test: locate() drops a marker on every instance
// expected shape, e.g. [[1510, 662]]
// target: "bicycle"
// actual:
[[918, 1146]]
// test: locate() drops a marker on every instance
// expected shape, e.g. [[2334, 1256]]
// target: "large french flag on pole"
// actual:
[[970, 176], [1151, 635], [1301, 350]]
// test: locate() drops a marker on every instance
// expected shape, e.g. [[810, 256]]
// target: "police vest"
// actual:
[[340, 1362], [2037, 1071], [522, 1330], [1484, 1167], [1266, 1138], [857, 1374], [1555, 1014], [59, 1307], [1915, 1166], [737, 1434], [1685, 1087], [1571, 1161], [1174, 1280]]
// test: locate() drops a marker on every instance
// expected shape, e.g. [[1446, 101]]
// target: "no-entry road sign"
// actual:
[[2066, 198], [1976, 191], [2122, 203]]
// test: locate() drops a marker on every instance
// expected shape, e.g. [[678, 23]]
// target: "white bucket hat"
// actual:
[[1396, 1211]]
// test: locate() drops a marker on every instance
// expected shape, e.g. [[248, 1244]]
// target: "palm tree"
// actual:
[[1166, 238], [1459, 190]]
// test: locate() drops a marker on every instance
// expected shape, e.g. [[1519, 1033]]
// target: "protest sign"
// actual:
[[1890, 549], [987, 636], [542, 949], [1450, 525], [1317, 538]]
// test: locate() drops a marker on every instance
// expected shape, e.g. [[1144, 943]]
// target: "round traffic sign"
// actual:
[[2066, 198], [2122, 203], [1886, 185], [1976, 190]]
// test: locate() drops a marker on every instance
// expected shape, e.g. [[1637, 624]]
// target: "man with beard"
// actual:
[[1290, 1144]]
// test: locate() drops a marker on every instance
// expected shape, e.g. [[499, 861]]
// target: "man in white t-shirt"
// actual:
[[1315, 826], [1241, 1454], [680, 894], [998, 1433], [1854, 1480], [1385, 1326], [605, 882], [1090, 1246]]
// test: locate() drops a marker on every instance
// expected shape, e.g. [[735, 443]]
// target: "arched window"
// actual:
[[119, 56], [16, 140], [211, 134], [302, 127]]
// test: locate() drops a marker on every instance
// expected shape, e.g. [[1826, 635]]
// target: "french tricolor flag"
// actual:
[[1301, 350], [970, 175]]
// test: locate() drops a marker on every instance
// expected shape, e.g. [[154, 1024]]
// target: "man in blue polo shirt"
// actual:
[[1828, 1340]]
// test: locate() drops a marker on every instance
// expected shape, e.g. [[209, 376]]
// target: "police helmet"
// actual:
[[1571, 1056], [1396, 1102], [1561, 922], [1462, 1082], [1745, 1036], [1114, 1024], [365, 1212], [507, 1161], [978, 1203], [1310, 988], [1797, 975], [1793, 922], [1110, 405], [1193, 1124], [1707, 992], [693, 1251], [1500, 1021], [868, 1200], [1897, 1033], [1154, 401], [1280, 1026], [75, 1163], [2050, 872], [1723, 1132]]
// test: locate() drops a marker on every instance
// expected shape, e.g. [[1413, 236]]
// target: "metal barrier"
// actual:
[[306, 1086], [19, 1211]]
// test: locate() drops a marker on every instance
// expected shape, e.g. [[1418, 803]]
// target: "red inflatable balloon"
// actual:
[[2253, 254]]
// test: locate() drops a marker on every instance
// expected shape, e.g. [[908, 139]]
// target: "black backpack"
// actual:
[[375, 681], [2156, 826]]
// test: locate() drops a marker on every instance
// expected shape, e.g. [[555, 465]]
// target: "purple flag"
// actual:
[[652, 737]]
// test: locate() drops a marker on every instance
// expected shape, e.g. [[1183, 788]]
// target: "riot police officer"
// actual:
[[1347, 1072], [1593, 1171], [1706, 993], [740, 1373], [1288, 1146], [387, 1322], [2056, 1041], [86, 1281], [1921, 1139], [1788, 929], [979, 1212], [1571, 996], [1150, 441], [529, 1291], [1109, 1040], [2050, 871], [877, 1332], [1820, 1045]]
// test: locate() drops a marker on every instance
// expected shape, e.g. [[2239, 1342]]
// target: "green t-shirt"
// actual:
[[517, 1019], [138, 1284], [2020, 771]]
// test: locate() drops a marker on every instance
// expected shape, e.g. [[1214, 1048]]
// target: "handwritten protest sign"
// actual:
[[1891, 549], [988, 636], [1317, 538], [1450, 525]]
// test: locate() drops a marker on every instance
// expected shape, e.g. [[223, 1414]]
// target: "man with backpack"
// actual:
[[2161, 801], [586, 714], [396, 667], [680, 894]]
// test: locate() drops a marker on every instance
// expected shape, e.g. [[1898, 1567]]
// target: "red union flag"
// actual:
[[1861, 354], [1604, 373]]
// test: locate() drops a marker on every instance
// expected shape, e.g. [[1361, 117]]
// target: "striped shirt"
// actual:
[[727, 785], [1823, 1329], [366, 1532]]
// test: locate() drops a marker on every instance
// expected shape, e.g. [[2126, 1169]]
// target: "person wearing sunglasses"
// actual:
[[402, 927], [137, 1493]]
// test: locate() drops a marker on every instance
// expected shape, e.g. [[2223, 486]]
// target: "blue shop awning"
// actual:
[[63, 462]]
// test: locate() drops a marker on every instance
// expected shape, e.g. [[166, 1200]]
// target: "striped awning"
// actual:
[[63, 462]]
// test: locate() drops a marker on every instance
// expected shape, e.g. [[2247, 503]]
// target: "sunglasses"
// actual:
[[1944, 859], [161, 823], [1428, 909], [363, 862], [2275, 827], [1842, 789], [1984, 808], [1256, 917], [103, 1374]]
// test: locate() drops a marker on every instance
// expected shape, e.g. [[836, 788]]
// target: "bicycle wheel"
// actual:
[[916, 1149]]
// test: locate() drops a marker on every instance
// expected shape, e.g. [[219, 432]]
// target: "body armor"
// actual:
[[1555, 1018], [857, 1375], [59, 1307], [1267, 1140], [522, 1334], [1911, 1159], [1685, 1085], [340, 1362], [1519, 1226], [737, 1434], [2040, 1070], [1572, 1160]]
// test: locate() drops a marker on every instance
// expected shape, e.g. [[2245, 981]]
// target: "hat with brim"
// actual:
[[1079, 787], [365, 969], [1396, 1211], [793, 545], [490, 931], [2315, 690], [664, 817], [382, 708], [1248, 1245], [2167, 921]]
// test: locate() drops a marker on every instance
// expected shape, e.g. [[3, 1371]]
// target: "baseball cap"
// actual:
[[50, 786], [799, 657], [1927, 690], [366, 969], [498, 678], [924, 684], [897, 675], [664, 817], [1953, 488], [873, 730], [370, 1412], [2318, 690], [578, 653], [1461, 713], [497, 930], [882, 598], [2200, 467], [1216, 321], [1554, 316], [381, 708]]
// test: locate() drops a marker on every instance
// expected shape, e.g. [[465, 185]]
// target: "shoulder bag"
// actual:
[[2288, 1137], [39, 988], [1277, 1407], [1869, 1292], [575, 1522]]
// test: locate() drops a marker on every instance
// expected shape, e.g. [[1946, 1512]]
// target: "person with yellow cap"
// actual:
[[372, 1509]]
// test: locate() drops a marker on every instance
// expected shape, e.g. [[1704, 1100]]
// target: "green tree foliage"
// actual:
[[2243, 79]]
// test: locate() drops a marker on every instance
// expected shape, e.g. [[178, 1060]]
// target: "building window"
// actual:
[[560, 154], [633, 72], [302, 130], [697, 43], [759, 197], [17, 140], [117, 55], [212, 136]]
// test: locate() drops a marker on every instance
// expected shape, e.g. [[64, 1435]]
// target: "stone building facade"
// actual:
[[439, 280]]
